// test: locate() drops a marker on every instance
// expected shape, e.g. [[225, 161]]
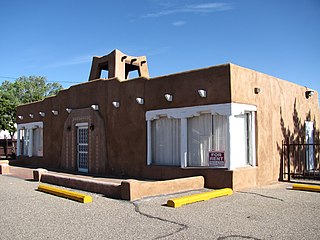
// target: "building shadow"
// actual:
[[293, 146]]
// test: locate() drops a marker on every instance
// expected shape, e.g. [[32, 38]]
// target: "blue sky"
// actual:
[[58, 38]]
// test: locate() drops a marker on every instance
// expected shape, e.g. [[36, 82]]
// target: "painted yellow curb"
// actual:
[[305, 187], [178, 202], [65, 193]]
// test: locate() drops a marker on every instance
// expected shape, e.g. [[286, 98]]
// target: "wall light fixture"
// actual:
[[169, 97], [140, 100], [202, 93], [55, 112], [95, 107], [116, 104]]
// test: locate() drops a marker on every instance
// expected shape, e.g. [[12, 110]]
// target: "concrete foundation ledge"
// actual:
[[38, 172], [65, 193], [133, 189], [178, 202], [305, 187], [106, 188], [4, 167], [126, 189]]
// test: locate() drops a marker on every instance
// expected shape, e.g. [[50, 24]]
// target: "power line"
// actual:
[[14, 78]]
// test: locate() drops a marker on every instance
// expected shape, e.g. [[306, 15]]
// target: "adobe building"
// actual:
[[225, 123]]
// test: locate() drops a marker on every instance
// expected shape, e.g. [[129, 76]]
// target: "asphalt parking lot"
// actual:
[[270, 212]]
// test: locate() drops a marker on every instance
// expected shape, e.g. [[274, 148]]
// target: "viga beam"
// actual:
[[305, 187], [178, 202], [65, 193]]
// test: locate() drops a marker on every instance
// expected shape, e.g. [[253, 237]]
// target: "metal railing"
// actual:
[[300, 161]]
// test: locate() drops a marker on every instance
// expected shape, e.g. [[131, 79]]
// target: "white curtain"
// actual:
[[220, 129], [165, 134], [25, 141], [37, 148], [199, 140], [205, 133]]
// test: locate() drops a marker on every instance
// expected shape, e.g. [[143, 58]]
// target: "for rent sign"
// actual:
[[216, 159]]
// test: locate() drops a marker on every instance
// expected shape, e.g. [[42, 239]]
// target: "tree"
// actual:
[[23, 90], [29, 89], [7, 115]]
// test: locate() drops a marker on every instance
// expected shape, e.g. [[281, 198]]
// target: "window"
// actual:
[[309, 131], [31, 139], [199, 140], [219, 135], [206, 133], [37, 148], [25, 137], [249, 128], [166, 141], [242, 143]]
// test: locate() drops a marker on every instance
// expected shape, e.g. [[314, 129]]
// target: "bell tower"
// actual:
[[118, 65]]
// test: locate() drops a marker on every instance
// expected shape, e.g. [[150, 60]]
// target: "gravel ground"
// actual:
[[270, 212]]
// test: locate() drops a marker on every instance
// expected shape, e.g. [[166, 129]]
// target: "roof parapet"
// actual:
[[118, 65]]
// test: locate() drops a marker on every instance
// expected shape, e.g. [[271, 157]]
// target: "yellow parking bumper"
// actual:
[[65, 193], [178, 202]]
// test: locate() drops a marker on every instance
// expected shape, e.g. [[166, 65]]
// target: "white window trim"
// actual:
[[83, 124], [233, 141], [253, 138], [31, 125], [228, 109]]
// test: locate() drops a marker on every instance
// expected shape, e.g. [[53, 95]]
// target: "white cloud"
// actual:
[[74, 61], [194, 8], [178, 23]]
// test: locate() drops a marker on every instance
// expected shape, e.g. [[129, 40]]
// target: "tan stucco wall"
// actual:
[[76, 97], [126, 132], [125, 127], [244, 177], [275, 95]]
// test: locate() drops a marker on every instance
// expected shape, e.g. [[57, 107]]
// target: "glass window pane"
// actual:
[[37, 149], [25, 140], [219, 133], [206, 133], [199, 140], [165, 134]]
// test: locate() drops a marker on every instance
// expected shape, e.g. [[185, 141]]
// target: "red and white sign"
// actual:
[[216, 159]]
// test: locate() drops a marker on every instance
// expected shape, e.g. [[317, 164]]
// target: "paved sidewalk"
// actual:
[[27, 174]]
